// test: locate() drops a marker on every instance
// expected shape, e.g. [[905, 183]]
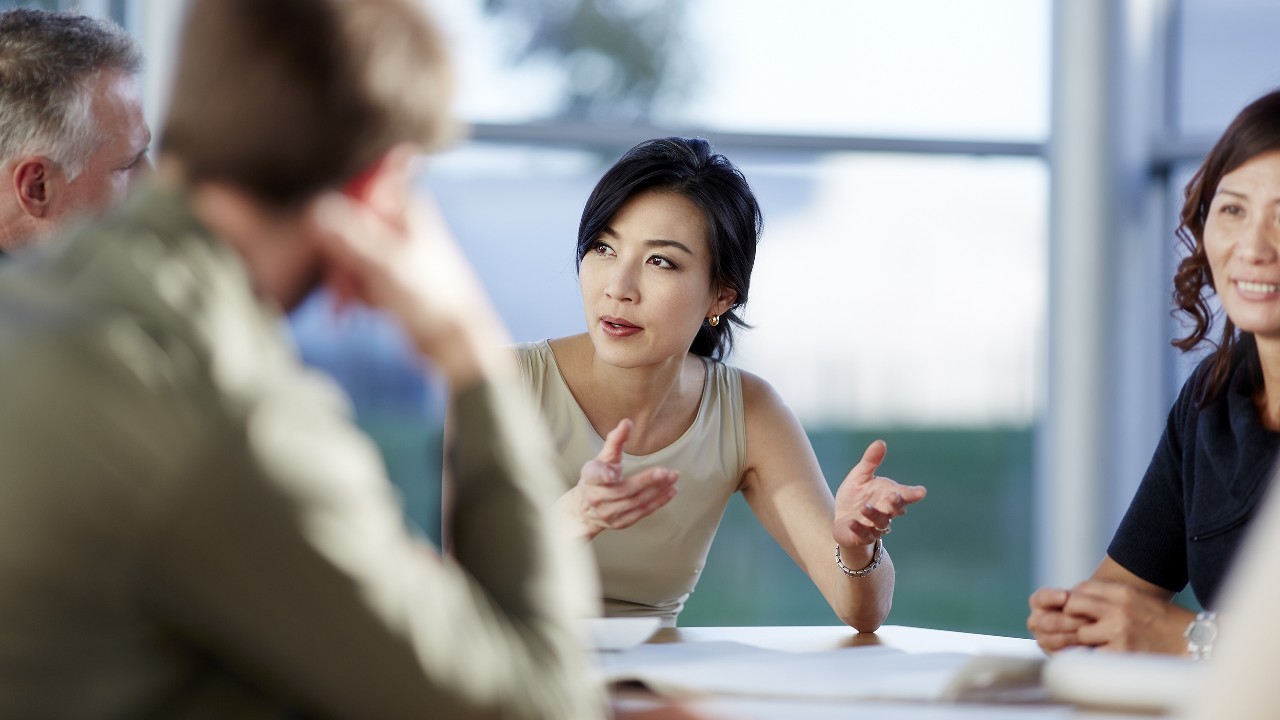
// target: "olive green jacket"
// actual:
[[191, 526]]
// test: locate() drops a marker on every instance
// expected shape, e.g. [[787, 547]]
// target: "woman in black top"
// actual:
[[1213, 462]]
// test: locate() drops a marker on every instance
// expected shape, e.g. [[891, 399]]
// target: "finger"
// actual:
[[890, 504], [349, 230], [614, 506], [892, 497], [1053, 642], [1097, 634], [1107, 590], [851, 533], [1087, 606], [622, 491], [1056, 622], [912, 493], [345, 289], [1048, 599], [871, 459], [875, 517], [597, 474], [334, 223], [611, 451], [353, 240], [645, 479], [643, 507]]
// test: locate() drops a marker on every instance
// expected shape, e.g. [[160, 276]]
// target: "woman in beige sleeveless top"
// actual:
[[655, 433]]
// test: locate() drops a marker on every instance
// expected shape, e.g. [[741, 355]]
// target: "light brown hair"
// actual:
[[287, 98]]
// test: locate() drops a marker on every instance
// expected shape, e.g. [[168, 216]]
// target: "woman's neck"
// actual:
[[661, 400]]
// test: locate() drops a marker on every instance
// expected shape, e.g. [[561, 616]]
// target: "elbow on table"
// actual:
[[864, 619]]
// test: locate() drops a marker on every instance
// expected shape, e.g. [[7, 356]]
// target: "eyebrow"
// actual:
[[1239, 194], [654, 243]]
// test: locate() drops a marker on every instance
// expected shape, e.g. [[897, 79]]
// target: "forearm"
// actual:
[[505, 535], [861, 602]]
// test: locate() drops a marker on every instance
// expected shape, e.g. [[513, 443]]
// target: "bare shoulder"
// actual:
[[778, 451], [759, 400], [570, 345], [571, 352]]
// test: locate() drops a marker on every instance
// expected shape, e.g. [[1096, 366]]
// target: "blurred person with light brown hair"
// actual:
[[190, 523], [73, 138]]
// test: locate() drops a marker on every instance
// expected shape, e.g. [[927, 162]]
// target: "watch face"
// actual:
[[1202, 632]]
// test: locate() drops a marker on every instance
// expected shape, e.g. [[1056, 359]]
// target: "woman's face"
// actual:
[[646, 281], [1242, 242]]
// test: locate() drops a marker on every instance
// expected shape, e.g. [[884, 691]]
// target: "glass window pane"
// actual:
[[1226, 55], [895, 297], [51, 5], [973, 70]]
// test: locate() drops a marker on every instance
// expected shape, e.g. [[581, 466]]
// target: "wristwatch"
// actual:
[[1200, 635]]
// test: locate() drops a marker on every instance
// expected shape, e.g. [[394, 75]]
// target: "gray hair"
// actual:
[[48, 64]]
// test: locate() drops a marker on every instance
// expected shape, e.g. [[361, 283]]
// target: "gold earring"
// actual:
[[714, 320]]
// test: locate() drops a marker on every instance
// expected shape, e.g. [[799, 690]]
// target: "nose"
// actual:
[[622, 286], [1259, 243]]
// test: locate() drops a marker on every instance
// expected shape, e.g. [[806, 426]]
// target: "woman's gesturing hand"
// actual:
[[604, 500], [867, 504]]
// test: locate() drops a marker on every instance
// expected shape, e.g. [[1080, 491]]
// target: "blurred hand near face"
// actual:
[[405, 261]]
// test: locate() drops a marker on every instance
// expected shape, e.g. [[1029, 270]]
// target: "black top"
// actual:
[[1207, 477]]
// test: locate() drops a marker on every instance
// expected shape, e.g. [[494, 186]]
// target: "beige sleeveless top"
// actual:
[[651, 567]]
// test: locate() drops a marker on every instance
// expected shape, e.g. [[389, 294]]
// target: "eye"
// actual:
[[133, 164], [661, 262], [1233, 210], [603, 249]]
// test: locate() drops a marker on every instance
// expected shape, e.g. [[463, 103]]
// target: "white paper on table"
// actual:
[[1133, 681], [793, 709], [855, 673]]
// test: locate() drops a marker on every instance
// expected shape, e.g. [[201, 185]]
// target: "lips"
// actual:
[[618, 327], [618, 322]]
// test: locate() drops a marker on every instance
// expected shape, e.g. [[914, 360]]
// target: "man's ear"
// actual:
[[35, 184], [384, 184]]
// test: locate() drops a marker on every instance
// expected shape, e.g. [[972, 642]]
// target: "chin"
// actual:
[[1269, 331]]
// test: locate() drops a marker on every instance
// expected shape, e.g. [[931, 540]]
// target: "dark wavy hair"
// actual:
[[688, 167], [1255, 131]]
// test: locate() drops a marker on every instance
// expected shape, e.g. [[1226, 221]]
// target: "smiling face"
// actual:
[[646, 281], [1242, 243]]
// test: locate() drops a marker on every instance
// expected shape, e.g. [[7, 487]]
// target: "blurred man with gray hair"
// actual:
[[72, 133]]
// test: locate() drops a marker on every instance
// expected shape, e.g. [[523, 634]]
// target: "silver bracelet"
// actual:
[[876, 557]]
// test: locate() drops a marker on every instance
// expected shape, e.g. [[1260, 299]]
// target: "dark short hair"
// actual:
[[287, 98], [1255, 131], [48, 63], [688, 167]]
